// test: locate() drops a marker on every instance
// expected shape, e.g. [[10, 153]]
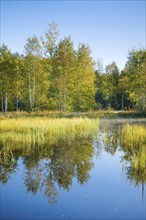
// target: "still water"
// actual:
[[94, 179]]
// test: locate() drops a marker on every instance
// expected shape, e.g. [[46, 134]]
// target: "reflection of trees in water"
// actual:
[[53, 166], [70, 161], [38, 176], [134, 164], [8, 163], [48, 167], [108, 138], [132, 141]]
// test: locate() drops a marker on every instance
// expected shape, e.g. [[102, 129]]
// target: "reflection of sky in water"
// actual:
[[107, 194]]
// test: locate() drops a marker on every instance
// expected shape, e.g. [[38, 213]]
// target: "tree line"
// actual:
[[52, 75]]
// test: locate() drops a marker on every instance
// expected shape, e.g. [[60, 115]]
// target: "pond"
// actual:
[[95, 178]]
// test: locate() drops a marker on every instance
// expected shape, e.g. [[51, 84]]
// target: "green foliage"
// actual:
[[63, 78], [123, 90], [52, 75], [135, 72], [84, 80], [107, 95]]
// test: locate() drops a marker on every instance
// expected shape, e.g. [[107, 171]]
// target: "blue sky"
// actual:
[[110, 28]]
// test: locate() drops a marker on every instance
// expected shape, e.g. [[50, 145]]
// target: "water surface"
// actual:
[[84, 179]]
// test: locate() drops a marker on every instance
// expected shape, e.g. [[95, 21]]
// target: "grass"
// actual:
[[37, 132], [133, 136], [133, 141], [90, 114]]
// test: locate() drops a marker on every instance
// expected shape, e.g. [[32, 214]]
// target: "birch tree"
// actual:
[[32, 50], [135, 71], [65, 72], [5, 76], [84, 98]]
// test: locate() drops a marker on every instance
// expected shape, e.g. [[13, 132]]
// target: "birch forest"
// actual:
[[52, 75]]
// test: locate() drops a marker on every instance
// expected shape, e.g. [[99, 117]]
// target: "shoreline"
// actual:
[[101, 114]]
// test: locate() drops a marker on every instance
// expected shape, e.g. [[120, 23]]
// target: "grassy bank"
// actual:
[[92, 114], [35, 132]]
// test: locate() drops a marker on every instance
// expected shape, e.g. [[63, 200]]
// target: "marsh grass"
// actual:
[[108, 114], [133, 136], [133, 141], [58, 114], [37, 132]]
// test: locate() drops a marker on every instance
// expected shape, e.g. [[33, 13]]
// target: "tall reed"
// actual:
[[133, 140], [133, 136], [28, 132]]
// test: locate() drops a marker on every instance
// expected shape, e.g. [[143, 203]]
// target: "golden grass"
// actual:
[[109, 113], [133, 136], [133, 140], [27, 132]]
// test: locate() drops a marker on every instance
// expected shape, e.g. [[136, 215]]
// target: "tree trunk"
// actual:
[[122, 100], [34, 86], [64, 102], [2, 99], [6, 102], [17, 100], [64, 96], [2, 104], [29, 90]]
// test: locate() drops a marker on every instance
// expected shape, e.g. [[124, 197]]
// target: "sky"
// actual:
[[110, 28]]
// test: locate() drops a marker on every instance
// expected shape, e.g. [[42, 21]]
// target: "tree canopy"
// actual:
[[52, 75]]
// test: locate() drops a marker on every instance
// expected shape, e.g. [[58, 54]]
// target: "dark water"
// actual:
[[79, 180]]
